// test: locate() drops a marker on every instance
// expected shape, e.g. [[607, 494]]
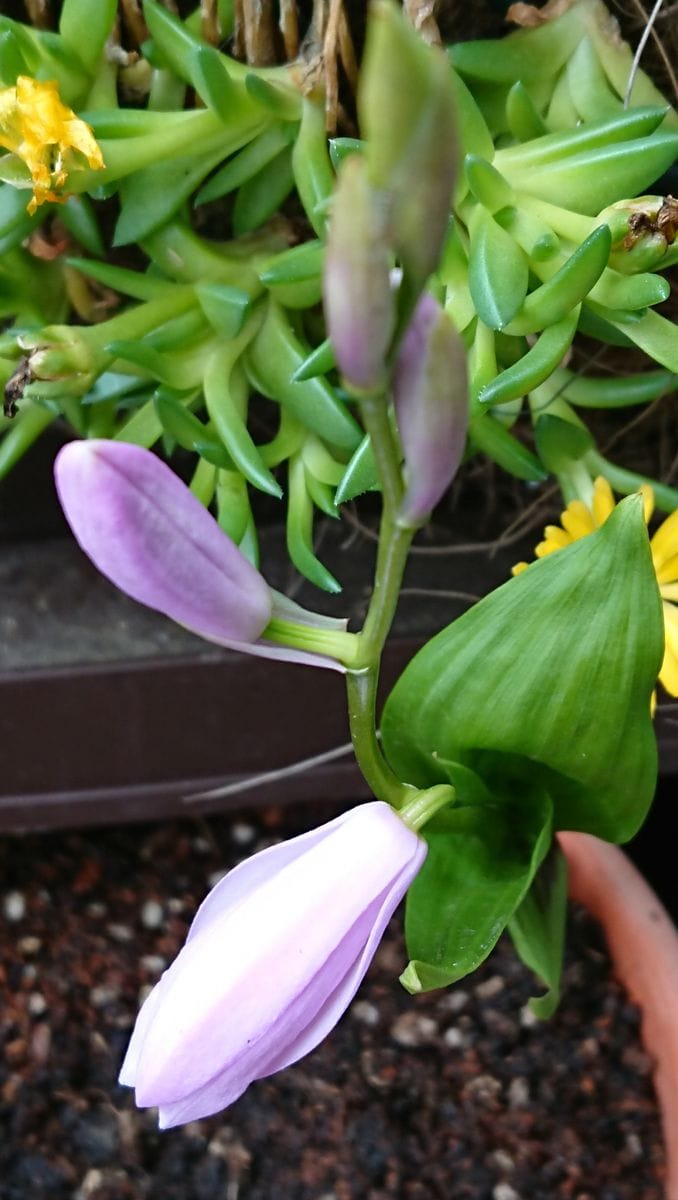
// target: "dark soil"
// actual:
[[459, 1095]]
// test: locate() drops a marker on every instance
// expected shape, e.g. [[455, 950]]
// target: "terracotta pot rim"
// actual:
[[643, 944]]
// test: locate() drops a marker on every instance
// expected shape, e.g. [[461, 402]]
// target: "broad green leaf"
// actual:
[[537, 929], [480, 863], [555, 667]]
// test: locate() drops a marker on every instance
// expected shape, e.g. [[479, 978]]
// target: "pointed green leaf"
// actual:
[[480, 863], [537, 929], [556, 667]]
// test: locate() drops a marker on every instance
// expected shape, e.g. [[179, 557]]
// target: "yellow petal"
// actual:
[[577, 519], [648, 500], [560, 537], [519, 568], [603, 500], [669, 591], [668, 572], [664, 543], [668, 675], [46, 135]]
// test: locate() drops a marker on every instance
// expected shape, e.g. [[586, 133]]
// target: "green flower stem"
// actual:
[[576, 483], [334, 643], [394, 543], [424, 805], [374, 410]]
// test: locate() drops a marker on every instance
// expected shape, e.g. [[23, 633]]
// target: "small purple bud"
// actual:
[[273, 958], [359, 300], [431, 405]]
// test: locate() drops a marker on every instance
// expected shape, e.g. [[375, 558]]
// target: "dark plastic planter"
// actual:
[[109, 712]]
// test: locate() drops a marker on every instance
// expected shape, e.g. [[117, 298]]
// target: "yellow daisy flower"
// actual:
[[578, 520], [44, 134]]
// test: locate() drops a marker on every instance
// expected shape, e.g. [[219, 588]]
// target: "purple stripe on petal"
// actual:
[[145, 531]]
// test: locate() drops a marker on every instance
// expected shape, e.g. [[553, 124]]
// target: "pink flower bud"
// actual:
[[431, 405], [274, 956], [149, 535]]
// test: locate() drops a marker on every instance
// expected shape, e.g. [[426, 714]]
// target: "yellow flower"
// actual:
[[578, 520], [46, 135]]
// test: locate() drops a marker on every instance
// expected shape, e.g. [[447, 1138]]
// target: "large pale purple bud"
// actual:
[[431, 405], [358, 296], [274, 956], [146, 532]]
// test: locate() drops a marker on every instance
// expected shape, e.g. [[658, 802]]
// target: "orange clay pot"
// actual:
[[643, 945]]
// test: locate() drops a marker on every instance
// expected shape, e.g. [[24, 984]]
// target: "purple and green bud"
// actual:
[[358, 297], [261, 981], [406, 107], [431, 406]]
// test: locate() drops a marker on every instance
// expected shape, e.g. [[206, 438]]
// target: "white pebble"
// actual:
[[503, 1161], [518, 1093], [453, 1001], [366, 1013], [490, 987], [14, 906], [152, 914], [37, 1004], [102, 995], [120, 933], [216, 878], [175, 905], [453, 1038], [153, 963], [410, 1029], [504, 1191], [242, 833], [29, 944]]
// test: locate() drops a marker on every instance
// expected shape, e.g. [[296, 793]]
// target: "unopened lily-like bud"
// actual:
[[358, 298], [406, 107], [431, 405], [149, 535], [274, 956]]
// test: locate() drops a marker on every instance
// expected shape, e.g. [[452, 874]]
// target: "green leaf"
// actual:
[[361, 474], [225, 307], [84, 28], [555, 667], [480, 863], [560, 442], [153, 194], [537, 929], [261, 196], [498, 273], [588, 182]]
